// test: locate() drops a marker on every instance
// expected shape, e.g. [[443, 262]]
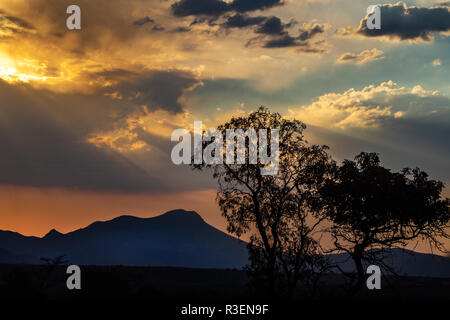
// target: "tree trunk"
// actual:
[[357, 258], [271, 277]]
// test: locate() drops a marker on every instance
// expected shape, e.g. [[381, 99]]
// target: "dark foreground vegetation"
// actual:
[[44, 282]]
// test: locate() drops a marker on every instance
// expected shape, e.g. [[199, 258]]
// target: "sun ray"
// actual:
[[22, 71]]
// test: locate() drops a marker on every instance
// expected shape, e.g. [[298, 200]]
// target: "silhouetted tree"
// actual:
[[47, 273], [274, 209], [52, 263], [372, 209]]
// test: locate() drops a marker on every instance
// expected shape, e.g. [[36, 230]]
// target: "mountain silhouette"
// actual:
[[177, 238], [405, 262], [53, 234]]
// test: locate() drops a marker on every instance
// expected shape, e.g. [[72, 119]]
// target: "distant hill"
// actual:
[[405, 262], [177, 238]]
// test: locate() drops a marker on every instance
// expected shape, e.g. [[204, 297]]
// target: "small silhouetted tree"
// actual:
[[275, 210], [48, 272], [372, 208]]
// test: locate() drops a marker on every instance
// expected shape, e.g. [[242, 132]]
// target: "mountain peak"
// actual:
[[182, 213], [52, 234]]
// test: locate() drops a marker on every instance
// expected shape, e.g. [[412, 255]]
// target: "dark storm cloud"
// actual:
[[264, 25], [308, 33], [12, 24], [158, 28], [185, 8], [210, 21], [44, 135], [18, 22], [242, 21], [283, 42], [272, 26], [409, 23], [253, 5], [181, 30], [143, 21], [280, 38], [273, 33], [115, 74], [41, 149], [270, 30], [160, 90], [148, 20], [155, 89]]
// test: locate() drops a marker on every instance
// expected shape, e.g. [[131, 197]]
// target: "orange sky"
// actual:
[[34, 211]]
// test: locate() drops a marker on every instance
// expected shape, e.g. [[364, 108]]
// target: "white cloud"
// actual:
[[367, 108], [127, 134], [437, 62], [362, 57]]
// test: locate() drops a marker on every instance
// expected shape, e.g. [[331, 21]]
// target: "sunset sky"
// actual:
[[86, 115]]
